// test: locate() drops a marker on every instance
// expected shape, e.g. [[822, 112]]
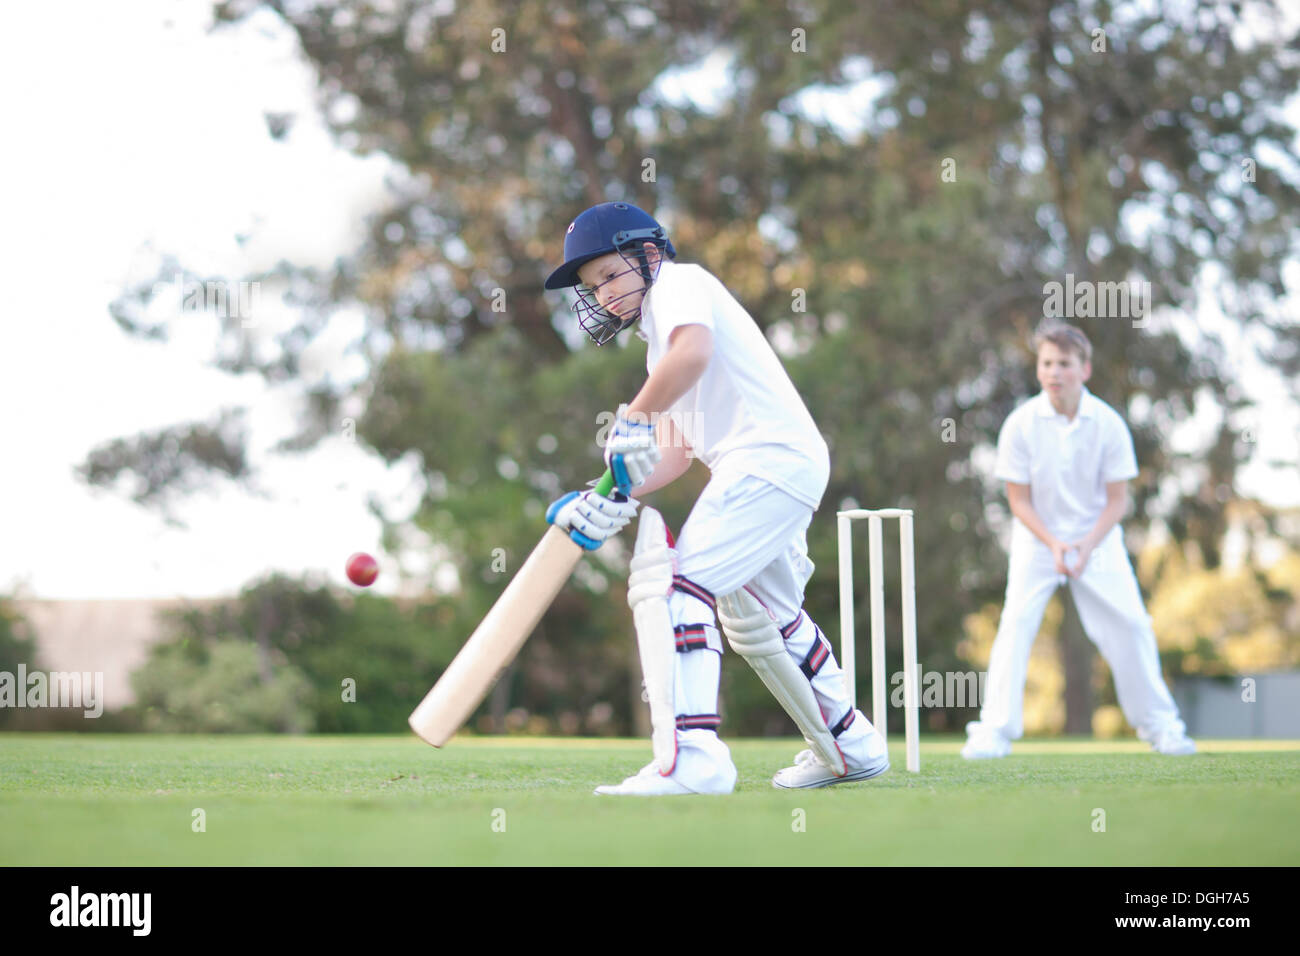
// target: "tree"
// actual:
[[17, 646], [899, 258]]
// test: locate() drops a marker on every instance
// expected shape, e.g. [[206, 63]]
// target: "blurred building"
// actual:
[[1249, 705], [111, 637]]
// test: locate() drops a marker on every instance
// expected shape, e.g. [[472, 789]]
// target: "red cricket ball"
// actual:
[[362, 569]]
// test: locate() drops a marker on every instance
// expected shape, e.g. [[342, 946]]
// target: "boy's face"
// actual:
[[1061, 372], [618, 284]]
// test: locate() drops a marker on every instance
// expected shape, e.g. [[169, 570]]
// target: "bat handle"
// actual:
[[606, 483]]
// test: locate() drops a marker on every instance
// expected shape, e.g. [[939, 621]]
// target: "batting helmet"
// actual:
[[603, 229]]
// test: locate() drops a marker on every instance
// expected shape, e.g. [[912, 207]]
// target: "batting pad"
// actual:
[[754, 634], [649, 586]]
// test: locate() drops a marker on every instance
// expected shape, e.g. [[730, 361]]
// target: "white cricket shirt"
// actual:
[[744, 415], [1065, 463]]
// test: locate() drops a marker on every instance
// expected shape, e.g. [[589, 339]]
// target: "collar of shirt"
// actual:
[[639, 332], [1087, 406]]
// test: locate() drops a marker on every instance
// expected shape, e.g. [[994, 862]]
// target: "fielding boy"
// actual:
[[1067, 458]]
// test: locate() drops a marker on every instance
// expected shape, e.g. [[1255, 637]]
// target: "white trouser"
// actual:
[[1111, 611], [745, 531]]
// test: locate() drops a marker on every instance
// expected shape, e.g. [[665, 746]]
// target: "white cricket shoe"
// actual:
[[809, 772], [985, 745], [1173, 743], [647, 783]]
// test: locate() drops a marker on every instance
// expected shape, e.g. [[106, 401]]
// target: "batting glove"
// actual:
[[591, 518], [631, 453]]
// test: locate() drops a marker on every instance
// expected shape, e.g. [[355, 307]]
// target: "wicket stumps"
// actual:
[[876, 581]]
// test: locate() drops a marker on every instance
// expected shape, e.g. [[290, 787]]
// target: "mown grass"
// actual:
[[106, 800]]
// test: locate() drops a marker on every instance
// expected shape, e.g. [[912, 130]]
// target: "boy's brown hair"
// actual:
[[1065, 337]]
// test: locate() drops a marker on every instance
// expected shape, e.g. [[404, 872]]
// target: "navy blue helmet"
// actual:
[[609, 227]]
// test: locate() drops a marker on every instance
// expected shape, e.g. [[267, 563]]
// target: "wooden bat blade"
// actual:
[[497, 639]]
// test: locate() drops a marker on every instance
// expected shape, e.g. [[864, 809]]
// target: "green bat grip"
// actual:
[[606, 483]]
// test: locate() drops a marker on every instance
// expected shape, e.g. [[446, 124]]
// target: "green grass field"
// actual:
[[104, 800]]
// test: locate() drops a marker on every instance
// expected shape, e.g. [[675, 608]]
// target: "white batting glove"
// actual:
[[591, 518], [631, 453]]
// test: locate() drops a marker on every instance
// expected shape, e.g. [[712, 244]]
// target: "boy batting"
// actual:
[[716, 391], [1067, 457]]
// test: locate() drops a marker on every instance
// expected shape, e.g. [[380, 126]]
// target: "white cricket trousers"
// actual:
[[744, 531], [1111, 611]]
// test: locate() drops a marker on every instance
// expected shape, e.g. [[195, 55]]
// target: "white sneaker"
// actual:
[[809, 772], [647, 783], [986, 745], [1173, 743]]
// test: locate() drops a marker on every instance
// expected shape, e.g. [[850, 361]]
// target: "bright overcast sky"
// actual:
[[129, 128], [137, 130]]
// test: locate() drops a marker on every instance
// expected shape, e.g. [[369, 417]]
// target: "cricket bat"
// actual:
[[500, 635]]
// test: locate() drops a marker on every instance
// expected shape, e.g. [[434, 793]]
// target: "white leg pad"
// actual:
[[649, 586], [754, 634]]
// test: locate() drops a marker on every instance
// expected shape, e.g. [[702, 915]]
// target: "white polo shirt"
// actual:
[[1065, 463], [744, 415]]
